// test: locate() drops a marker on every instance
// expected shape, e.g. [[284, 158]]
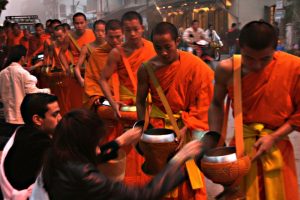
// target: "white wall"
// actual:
[[248, 10]]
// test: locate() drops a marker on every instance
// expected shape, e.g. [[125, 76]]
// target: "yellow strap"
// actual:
[[74, 42], [192, 169], [238, 111]]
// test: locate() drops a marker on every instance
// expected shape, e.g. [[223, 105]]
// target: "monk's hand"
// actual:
[[188, 151], [181, 138], [116, 107], [263, 145], [131, 136]]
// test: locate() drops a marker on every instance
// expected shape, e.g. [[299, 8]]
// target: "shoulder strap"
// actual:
[[128, 69], [162, 97], [74, 41], [237, 104], [192, 169]]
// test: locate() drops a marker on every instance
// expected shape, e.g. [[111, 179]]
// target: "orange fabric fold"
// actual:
[[272, 97], [13, 40], [86, 38], [96, 63], [135, 60]]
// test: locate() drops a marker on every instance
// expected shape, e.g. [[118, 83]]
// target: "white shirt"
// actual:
[[214, 37], [190, 35], [15, 83]]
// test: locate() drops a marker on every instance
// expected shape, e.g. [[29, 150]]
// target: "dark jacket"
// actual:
[[25, 158], [73, 180]]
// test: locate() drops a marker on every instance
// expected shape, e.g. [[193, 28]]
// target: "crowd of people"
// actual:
[[97, 83]]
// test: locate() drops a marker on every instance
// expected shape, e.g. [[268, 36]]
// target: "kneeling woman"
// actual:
[[70, 171]]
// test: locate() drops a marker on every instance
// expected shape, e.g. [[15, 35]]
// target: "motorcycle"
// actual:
[[216, 49]]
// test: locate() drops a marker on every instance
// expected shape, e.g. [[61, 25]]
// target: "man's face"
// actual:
[[256, 60], [51, 28], [16, 30], [80, 24], [26, 33], [39, 31], [133, 30], [100, 32], [114, 37], [52, 117], [60, 36], [195, 25], [165, 47]]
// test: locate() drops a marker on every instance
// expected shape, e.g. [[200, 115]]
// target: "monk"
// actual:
[[25, 39], [36, 41], [76, 40], [86, 50], [93, 94], [187, 83], [16, 36], [48, 44], [270, 107], [125, 61]]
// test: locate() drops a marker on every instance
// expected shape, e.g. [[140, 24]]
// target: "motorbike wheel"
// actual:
[[217, 54]]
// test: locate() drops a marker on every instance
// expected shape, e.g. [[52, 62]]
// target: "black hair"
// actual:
[[35, 104], [233, 25], [66, 26], [131, 15], [15, 54], [39, 25], [48, 21], [113, 24], [164, 28], [258, 35], [60, 27], [194, 21], [15, 25], [78, 14], [100, 21], [55, 21]]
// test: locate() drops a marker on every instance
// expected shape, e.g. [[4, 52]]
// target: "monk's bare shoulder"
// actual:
[[115, 55], [224, 72]]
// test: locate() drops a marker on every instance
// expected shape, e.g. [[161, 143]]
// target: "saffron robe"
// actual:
[[272, 97], [188, 86]]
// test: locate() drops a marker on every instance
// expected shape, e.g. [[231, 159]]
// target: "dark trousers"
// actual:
[[6, 131]]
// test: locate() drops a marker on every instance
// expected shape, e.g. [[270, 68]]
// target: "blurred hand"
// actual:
[[116, 107], [190, 150], [131, 136], [181, 138]]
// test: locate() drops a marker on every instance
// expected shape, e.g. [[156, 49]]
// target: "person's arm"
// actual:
[[82, 58], [110, 67], [216, 110], [171, 176], [142, 92], [30, 82], [186, 36], [62, 56]]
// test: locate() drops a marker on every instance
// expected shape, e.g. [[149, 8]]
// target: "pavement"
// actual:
[[214, 189]]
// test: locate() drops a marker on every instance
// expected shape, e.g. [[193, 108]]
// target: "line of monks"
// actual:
[[84, 67]]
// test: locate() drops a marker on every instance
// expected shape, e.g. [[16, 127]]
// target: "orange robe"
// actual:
[[272, 97], [14, 40], [133, 174], [76, 90], [36, 45], [93, 91], [188, 86]]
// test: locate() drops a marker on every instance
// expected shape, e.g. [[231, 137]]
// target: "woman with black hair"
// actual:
[[70, 170]]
